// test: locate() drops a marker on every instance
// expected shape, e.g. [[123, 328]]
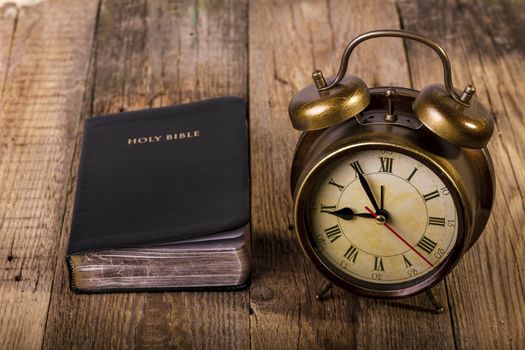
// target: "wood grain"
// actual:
[[62, 61], [301, 37], [486, 291], [44, 80], [156, 53]]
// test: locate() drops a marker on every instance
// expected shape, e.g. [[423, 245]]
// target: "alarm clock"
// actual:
[[391, 186]]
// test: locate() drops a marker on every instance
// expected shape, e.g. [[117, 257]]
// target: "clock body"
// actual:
[[435, 198]]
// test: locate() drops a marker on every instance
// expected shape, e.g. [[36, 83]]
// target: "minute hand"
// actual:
[[368, 190]]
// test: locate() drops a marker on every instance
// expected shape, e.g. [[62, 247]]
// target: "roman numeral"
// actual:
[[327, 208], [412, 174], [427, 244], [378, 264], [351, 253], [436, 221], [386, 164], [407, 262], [431, 195], [333, 183], [357, 167], [333, 233]]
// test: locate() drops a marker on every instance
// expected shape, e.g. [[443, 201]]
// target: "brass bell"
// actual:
[[455, 116], [465, 123], [313, 108]]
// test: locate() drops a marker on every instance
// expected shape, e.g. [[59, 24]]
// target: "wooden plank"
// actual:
[[143, 48], [298, 37], [486, 290], [39, 113], [157, 53]]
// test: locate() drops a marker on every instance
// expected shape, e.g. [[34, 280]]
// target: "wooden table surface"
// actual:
[[65, 60]]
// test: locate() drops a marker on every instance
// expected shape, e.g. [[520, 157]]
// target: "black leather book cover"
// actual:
[[162, 175]]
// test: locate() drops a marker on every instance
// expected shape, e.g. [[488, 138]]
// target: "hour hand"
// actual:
[[348, 214]]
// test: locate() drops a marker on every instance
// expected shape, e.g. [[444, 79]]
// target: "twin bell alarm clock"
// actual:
[[391, 186]]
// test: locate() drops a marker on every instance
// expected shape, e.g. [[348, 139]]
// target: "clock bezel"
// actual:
[[351, 283]]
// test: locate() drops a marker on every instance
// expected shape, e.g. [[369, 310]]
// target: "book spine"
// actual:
[[71, 268]]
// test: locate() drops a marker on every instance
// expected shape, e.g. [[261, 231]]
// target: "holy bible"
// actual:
[[163, 200]]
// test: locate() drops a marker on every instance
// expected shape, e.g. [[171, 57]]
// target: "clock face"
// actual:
[[381, 217]]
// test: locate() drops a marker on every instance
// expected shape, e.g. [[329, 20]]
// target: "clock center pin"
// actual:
[[380, 219]]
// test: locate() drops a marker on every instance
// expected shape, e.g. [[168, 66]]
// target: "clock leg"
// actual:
[[438, 307], [327, 285]]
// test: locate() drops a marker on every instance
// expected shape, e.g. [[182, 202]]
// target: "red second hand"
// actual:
[[401, 238]]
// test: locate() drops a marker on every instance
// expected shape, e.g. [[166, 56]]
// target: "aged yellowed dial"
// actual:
[[381, 216]]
